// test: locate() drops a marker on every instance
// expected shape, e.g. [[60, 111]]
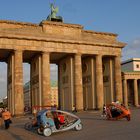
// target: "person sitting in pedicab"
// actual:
[[61, 118], [58, 119], [115, 112], [48, 119]]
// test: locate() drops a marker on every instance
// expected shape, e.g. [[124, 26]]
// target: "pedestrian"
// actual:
[[1, 121], [104, 111], [6, 115], [35, 112]]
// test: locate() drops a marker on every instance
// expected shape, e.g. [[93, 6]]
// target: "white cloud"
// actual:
[[136, 42], [132, 50]]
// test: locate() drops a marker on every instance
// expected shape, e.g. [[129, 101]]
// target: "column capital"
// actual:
[[117, 58], [119, 55], [97, 55], [45, 53], [15, 50], [78, 54]]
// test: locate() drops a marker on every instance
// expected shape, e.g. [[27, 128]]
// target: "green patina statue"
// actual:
[[52, 16]]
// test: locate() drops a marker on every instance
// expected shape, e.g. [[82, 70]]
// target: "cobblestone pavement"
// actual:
[[94, 128]]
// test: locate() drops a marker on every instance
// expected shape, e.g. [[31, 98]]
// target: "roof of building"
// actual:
[[5, 97], [130, 60]]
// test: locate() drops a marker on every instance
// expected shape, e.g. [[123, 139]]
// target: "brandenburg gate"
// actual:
[[89, 70]]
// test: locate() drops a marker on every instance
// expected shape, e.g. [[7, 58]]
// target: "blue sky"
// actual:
[[120, 16], [116, 16]]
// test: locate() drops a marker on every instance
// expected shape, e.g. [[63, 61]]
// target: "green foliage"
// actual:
[[54, 84], [2, 105]]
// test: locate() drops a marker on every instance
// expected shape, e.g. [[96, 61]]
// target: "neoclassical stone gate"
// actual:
[[89, 72]]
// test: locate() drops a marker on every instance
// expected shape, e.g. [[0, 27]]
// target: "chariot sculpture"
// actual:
[[52, 16]]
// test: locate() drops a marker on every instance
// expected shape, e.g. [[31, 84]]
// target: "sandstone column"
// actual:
[[18, 83], [111, 80], [59, 88], [40, 82], [46, 101], [78, 82], [136, 102], [118, 79], [125, 92], [99, 82]]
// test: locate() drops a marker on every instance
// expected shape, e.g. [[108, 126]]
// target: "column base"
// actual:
[[19, 115], [138, 106], [98, 109], [78, 110]]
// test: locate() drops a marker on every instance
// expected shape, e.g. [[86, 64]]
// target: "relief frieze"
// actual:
[[86, 79], [105, 79], [65, 79], [35, 80]]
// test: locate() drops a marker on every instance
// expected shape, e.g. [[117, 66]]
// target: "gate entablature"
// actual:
[[48, 31]]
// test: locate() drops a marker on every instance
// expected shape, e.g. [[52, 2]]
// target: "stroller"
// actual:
[[116, 111]]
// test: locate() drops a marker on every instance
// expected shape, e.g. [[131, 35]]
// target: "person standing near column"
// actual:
[[6, 115], [1, 121]]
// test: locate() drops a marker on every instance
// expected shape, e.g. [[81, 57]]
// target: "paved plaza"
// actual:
[[94, 128]]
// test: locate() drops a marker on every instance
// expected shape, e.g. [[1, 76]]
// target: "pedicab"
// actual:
[[115, 111], [52, 121], [32, 124]]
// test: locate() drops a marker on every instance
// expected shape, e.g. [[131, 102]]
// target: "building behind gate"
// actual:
[[131, 81]]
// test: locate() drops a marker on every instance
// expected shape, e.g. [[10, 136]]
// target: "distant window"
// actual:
[[137, 66]]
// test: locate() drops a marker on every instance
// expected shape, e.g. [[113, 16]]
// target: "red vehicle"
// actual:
[[116, 111]]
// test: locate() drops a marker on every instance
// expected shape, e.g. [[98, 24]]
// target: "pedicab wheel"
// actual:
[[47, 132], [39, 131], [128, 118], [28, 126], [78, 127]]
